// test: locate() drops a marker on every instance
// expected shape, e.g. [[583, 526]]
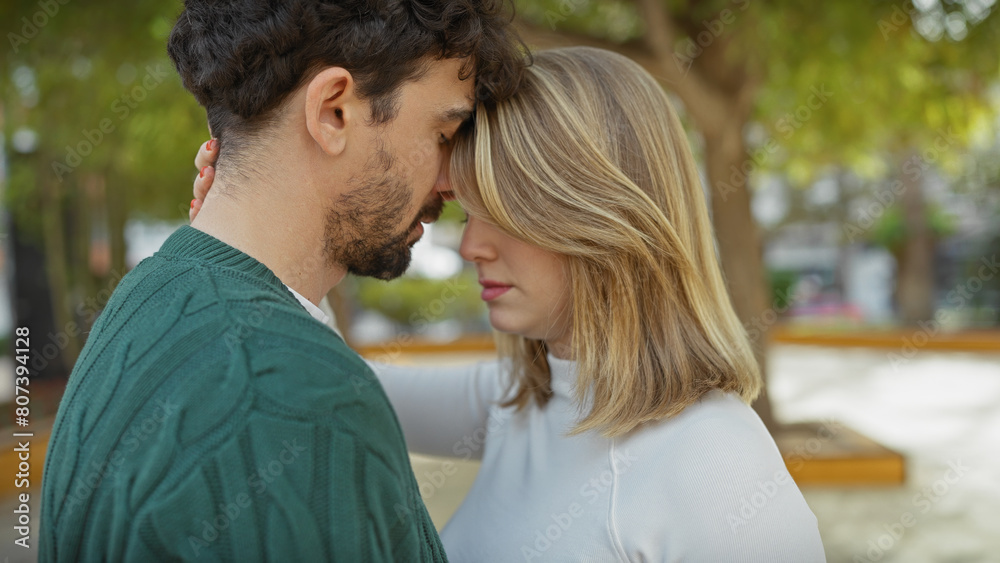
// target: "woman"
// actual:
[[615, 426]]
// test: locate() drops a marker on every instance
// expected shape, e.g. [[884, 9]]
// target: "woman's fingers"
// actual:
[[204, 161], [208, 153], [203, 182], [195, 208]]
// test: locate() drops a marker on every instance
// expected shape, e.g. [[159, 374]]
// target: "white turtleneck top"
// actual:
[[707, 486]]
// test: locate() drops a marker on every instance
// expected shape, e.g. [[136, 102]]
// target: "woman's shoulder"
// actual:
[[710, 483], [717, 421], [713, 443]]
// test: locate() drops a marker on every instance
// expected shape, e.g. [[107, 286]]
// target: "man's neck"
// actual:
[[285, 234]]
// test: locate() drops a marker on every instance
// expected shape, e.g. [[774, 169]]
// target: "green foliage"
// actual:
[[891, 89], [897, 76], [88, 66], [613, 20], [889, 231], [782, 282], [452, 213], [97, 130], [416, 301], [895, 82]]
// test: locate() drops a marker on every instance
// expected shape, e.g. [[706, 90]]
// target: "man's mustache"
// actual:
[[428, 213]]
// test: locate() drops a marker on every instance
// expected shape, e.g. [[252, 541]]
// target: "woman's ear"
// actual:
[[330, 107]]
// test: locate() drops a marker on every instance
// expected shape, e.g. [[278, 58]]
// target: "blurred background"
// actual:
[[850, 154]]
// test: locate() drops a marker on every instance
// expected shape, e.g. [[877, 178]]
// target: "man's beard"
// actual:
[[361, 229]]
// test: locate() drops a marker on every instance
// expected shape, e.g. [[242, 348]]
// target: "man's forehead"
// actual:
[[454, 72], [444, 89]]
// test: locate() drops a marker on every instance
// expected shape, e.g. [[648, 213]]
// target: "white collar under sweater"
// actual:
[[313, 310]]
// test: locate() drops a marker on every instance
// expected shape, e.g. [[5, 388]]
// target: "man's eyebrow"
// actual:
[[460, 114]]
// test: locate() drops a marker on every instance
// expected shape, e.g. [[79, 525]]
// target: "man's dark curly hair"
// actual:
[[242, 58]]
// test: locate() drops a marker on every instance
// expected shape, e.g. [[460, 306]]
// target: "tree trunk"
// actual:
[[117, 217], [56, 261], [83, 211], [740, 251], [915, 277], [32, 303]]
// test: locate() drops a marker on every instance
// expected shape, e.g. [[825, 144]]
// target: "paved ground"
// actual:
[[942, 410]]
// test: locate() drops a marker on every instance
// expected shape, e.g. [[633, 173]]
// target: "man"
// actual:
[[210, 414]]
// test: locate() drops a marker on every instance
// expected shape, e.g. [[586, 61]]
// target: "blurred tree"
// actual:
[[417, 302], [100, 131], [893, 231], [853, 83]]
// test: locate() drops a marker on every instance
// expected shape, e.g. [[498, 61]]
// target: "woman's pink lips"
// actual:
[[492, 289]]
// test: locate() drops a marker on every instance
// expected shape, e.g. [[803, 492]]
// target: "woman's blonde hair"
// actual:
[[589, 160]]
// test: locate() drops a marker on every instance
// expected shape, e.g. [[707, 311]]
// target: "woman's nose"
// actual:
[[476, 245]]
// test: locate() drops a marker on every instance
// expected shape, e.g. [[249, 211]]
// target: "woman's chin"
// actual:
[[500, 323], [511, 326]]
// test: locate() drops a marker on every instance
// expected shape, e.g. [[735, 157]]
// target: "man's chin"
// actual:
[[386, 267]]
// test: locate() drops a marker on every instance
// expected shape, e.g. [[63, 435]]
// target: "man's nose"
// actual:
[[443, 184]]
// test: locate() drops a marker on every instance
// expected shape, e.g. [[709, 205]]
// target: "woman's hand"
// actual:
[[204, 162]]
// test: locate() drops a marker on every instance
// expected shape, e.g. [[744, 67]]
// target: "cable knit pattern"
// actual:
[[210, 417]]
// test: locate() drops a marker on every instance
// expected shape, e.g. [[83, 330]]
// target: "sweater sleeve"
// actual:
[[281, 486], [312, 495], [440, 408]]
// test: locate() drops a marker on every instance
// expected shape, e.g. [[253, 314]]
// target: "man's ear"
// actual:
[[331, 107]]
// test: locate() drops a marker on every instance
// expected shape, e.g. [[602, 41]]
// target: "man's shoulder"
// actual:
[[204, 292], [313, 370]]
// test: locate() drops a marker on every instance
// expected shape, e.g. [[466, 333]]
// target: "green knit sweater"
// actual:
[[210, 417]]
